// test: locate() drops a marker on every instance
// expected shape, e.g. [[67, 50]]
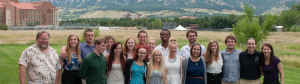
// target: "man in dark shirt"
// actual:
[[93, 68], [249, 64]]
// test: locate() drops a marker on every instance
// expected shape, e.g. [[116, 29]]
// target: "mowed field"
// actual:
[[12, 43]]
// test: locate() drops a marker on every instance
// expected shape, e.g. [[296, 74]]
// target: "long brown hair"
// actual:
[[125, 49], [68, 49], [111, 58], [209, 53], [272, 56]]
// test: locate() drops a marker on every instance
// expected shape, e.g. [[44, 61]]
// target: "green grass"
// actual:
[[9, 56], [10, 53]]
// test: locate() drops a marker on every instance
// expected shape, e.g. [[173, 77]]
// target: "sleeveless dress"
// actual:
[[173, 66], [115, 75], [195, 69], [156, 77], [137, 73], [71, 74]]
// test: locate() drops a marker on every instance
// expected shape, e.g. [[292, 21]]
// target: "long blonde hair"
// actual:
[[68, 49], [150, 66]]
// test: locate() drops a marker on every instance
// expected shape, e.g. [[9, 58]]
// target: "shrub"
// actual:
[[3, 27], [295, 28], [248, 27]]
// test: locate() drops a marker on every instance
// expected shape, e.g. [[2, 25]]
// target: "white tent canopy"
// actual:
[[103, 28], [180, 28]]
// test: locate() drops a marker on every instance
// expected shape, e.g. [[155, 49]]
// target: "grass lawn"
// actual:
[[286, 46], [9, 55]]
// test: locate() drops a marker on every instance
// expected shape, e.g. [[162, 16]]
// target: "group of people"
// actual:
[[107, 61]]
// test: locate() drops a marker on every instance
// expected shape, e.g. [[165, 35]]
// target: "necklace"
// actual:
[[172, 60]]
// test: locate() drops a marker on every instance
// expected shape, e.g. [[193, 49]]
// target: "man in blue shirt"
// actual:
[[88, 46], [231, 66]]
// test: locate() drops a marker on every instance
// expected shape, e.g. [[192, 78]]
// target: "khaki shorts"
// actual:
[[237, 82], [244, 81]]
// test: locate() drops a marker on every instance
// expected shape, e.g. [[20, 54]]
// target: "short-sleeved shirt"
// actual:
[[40, 67], [186, 50], [85, 49], [271, 72], [231, 66], [164, 51]]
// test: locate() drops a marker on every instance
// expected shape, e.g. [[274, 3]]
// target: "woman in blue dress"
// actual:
[[194, 67], [138, 68]]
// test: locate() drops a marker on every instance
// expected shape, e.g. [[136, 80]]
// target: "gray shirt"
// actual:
[[231, 67]]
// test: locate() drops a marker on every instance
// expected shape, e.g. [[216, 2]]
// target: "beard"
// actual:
[[230, 48], [43, 46]]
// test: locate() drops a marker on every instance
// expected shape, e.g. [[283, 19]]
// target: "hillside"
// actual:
[[76, 8]]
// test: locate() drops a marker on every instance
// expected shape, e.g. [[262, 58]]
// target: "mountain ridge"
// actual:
[[133, 6]]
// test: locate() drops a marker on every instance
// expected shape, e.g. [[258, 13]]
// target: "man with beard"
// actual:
[[39, 62], [231, 67]]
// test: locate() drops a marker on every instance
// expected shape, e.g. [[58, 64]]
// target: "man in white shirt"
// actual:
[[191, 35], [165, 35], [39, 63]]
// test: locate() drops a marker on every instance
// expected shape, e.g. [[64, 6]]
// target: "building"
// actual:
[[14, 13]]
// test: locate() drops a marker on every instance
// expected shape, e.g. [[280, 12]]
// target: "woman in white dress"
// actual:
[[116, 65], [173, 64]]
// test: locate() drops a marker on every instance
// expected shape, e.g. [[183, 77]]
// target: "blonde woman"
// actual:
[[156, 73], [71, 61], [173, 64]]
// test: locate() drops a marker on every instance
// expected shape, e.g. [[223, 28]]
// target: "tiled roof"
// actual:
[[27, 5], [24, 5], [1, 4]]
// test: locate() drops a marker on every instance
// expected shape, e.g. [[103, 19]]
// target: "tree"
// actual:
[[289, 18], [269, 22], [248, 27], [296, 7], [156, 24]]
